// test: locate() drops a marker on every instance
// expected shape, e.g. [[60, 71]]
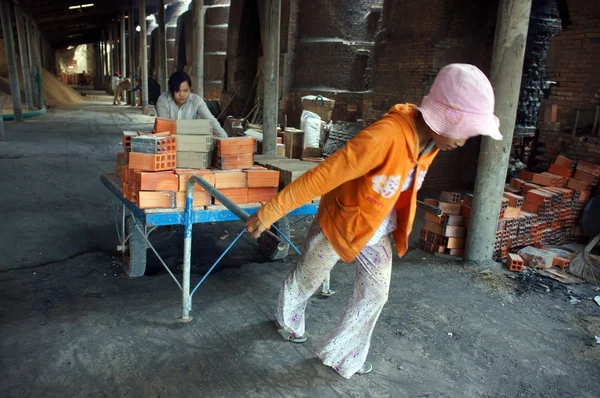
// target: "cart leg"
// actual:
[[325, 289], [187, 259]]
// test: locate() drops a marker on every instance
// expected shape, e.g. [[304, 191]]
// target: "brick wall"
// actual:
[[574, 59], [215, 45], [332, 55], [419, 37], [573, 63]]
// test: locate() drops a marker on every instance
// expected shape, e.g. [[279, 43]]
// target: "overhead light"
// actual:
[[81, 6], [70, 48], [70, 66], [138, 28]]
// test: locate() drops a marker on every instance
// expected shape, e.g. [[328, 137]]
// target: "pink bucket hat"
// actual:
[[460, 104]]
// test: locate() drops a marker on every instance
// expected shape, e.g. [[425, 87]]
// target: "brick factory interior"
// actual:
[[300, 198]]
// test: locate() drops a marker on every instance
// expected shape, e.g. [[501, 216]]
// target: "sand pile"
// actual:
[[57, 90]]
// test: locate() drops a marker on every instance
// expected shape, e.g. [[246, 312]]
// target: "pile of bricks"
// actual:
[[542, 208], [235, 153], [445, 234], [153, 177]]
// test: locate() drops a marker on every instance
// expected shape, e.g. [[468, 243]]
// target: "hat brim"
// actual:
[[453, 123]]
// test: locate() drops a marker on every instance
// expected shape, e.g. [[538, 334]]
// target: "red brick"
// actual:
[[157, 181], [575, 185], [560, 171], [450, 197], [236, 195], [156, 199], [512, 212], [526, 175], [150, 162], [538, 197], [235, 162], [528, 187], [185, 174], [201, 198], [588, 167], [235, 146], [162, 125], [586, 177], [514, 200], [515, 263], [262, 178], [516, 183], [261, 194], [561, 262], [530, 207], [230, 179], [564, 162]]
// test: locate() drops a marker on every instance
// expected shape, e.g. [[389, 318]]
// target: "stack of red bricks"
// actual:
[[542, 208], [235, 153], [445, 234], [146, 164], [150, 178]]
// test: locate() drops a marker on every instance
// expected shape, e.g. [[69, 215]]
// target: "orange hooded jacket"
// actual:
[[360, 183]]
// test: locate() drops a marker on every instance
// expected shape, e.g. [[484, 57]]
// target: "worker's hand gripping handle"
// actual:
[[235, 209]]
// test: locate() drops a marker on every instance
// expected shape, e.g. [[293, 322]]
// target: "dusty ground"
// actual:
[[71, 326]]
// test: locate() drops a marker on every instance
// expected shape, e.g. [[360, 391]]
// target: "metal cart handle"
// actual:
[[232, 207]]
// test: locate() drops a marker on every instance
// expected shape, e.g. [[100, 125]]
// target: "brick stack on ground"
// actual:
[[542, 208], [445, 234]]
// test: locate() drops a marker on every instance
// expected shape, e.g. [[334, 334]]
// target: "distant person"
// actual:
[[115, 88], [180, 103]]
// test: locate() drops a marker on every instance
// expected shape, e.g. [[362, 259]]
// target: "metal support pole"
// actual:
[[162, 47], [507, 69], [106, 64], [2, 133], [131, 58], [271, 74], [32, 65], [111, 58], [38, 62], [11, 59], [24, 57], [144, 56], [198, 49], [123, 54], [97, 66]]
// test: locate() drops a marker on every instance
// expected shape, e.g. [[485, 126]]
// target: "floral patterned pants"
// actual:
[[347, 347]]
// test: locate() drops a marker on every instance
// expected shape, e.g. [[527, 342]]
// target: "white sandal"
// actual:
[[288, 336], [366, 368]]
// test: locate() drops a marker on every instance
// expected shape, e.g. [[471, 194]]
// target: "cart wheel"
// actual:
[[134, 256], [268, 245]]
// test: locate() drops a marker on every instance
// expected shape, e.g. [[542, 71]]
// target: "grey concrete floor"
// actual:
[[70, 325]]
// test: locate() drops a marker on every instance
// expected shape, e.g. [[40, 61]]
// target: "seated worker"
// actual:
[[368, 195], [180, 103]]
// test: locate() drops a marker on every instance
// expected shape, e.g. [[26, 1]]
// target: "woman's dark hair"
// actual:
[[176, 79]]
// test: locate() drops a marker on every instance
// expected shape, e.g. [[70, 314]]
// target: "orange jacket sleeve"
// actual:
[[360, 155]]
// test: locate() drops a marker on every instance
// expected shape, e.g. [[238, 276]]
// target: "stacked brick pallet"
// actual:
[[445, 234], [542, 208], [151, 178]]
